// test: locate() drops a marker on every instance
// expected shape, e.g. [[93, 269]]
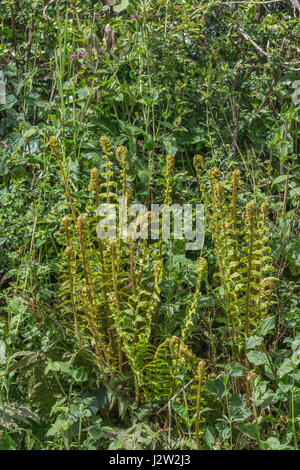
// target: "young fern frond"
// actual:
[[199, 400], [243, 254], [191, 310]]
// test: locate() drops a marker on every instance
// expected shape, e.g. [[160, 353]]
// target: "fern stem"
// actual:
[[200, 373], [250, 214], [117, 301]]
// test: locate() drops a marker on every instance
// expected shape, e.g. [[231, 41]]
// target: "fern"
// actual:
[[112, 286], [244, 257]]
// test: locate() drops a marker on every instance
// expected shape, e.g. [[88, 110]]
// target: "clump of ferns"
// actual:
[[240, 239], [109, 282], [113, 286], [80, 270]]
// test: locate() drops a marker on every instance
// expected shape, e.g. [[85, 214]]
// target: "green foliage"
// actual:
[[241, 242], [100, 343]]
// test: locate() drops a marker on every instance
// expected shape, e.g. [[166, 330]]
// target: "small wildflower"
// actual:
[[4, 145], [132, 16], [73, 57], [82, 54]]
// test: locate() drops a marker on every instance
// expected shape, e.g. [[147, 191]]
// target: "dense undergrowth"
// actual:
[[132, 343]]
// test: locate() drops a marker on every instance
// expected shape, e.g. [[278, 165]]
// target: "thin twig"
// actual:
[[176, 395]]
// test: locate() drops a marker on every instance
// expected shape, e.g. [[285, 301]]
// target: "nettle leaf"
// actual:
[[296, 355], [262, 395], [281, 179], [52, 366], [95, 433], [210, 436], [217, 387], [95, 401], [144, 176], [78, 374], [284, 388], [170, 144], [273, 443], [249, 429], [224, 432], [115, 445], [29, 132], [268, 324], [266, 399], [238, 408], [257, 358], [121, 6], [235, 369], [180, 409], [253, 341], [286, 367], [60, 425]]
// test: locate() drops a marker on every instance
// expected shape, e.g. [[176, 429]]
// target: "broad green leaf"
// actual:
[[253, 341], [216, 387], [249, 430], [210, 436], [238, 408], [115, 445], [273, 443], [257, 358], [95, 433], [279, 179], [285, 368], [268, 324], [180, 409], [121, 6]]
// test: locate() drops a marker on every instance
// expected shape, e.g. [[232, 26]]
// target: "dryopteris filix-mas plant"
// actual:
[[112, 289], [240, 239]]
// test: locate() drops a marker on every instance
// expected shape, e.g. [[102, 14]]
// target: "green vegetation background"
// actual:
[[159, 77]]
